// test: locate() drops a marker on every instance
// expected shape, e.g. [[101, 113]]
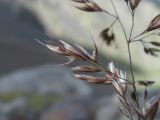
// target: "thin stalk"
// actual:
[[125, 34], [136, 37], [124, 31], [129, 51], [135, 41], [117, 16], [144, 36], [132, 26], [131, 65], [132, 73], [130, 59], [109, 13], [113, 22]]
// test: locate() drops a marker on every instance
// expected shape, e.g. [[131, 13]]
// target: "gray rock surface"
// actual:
[[44, 80], [77, 108], [18, 48], [106, 109], [52, 93], [28, 93]]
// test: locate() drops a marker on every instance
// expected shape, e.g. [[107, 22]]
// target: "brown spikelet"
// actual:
[[88, 6], [133, 4], [154, 24], [85, 68], [96, 80]]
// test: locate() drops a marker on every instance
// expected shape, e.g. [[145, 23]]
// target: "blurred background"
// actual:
[[32, 86]]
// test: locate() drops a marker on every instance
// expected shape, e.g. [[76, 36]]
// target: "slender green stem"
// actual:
[[113, 22], [127, 41], [131, 65], [135, 41], [130, 59], [143, 37], [109, 13], [129, 51], [131, 27], [153, 33], [135, 37], [117, 16]]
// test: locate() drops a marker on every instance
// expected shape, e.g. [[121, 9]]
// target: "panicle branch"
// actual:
[[111, 74]]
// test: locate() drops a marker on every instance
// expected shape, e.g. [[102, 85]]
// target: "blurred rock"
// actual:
[[52, 93], [18, 48], [44, 80], [26, 94], [106, 109], [71, 109], [17, 103]]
